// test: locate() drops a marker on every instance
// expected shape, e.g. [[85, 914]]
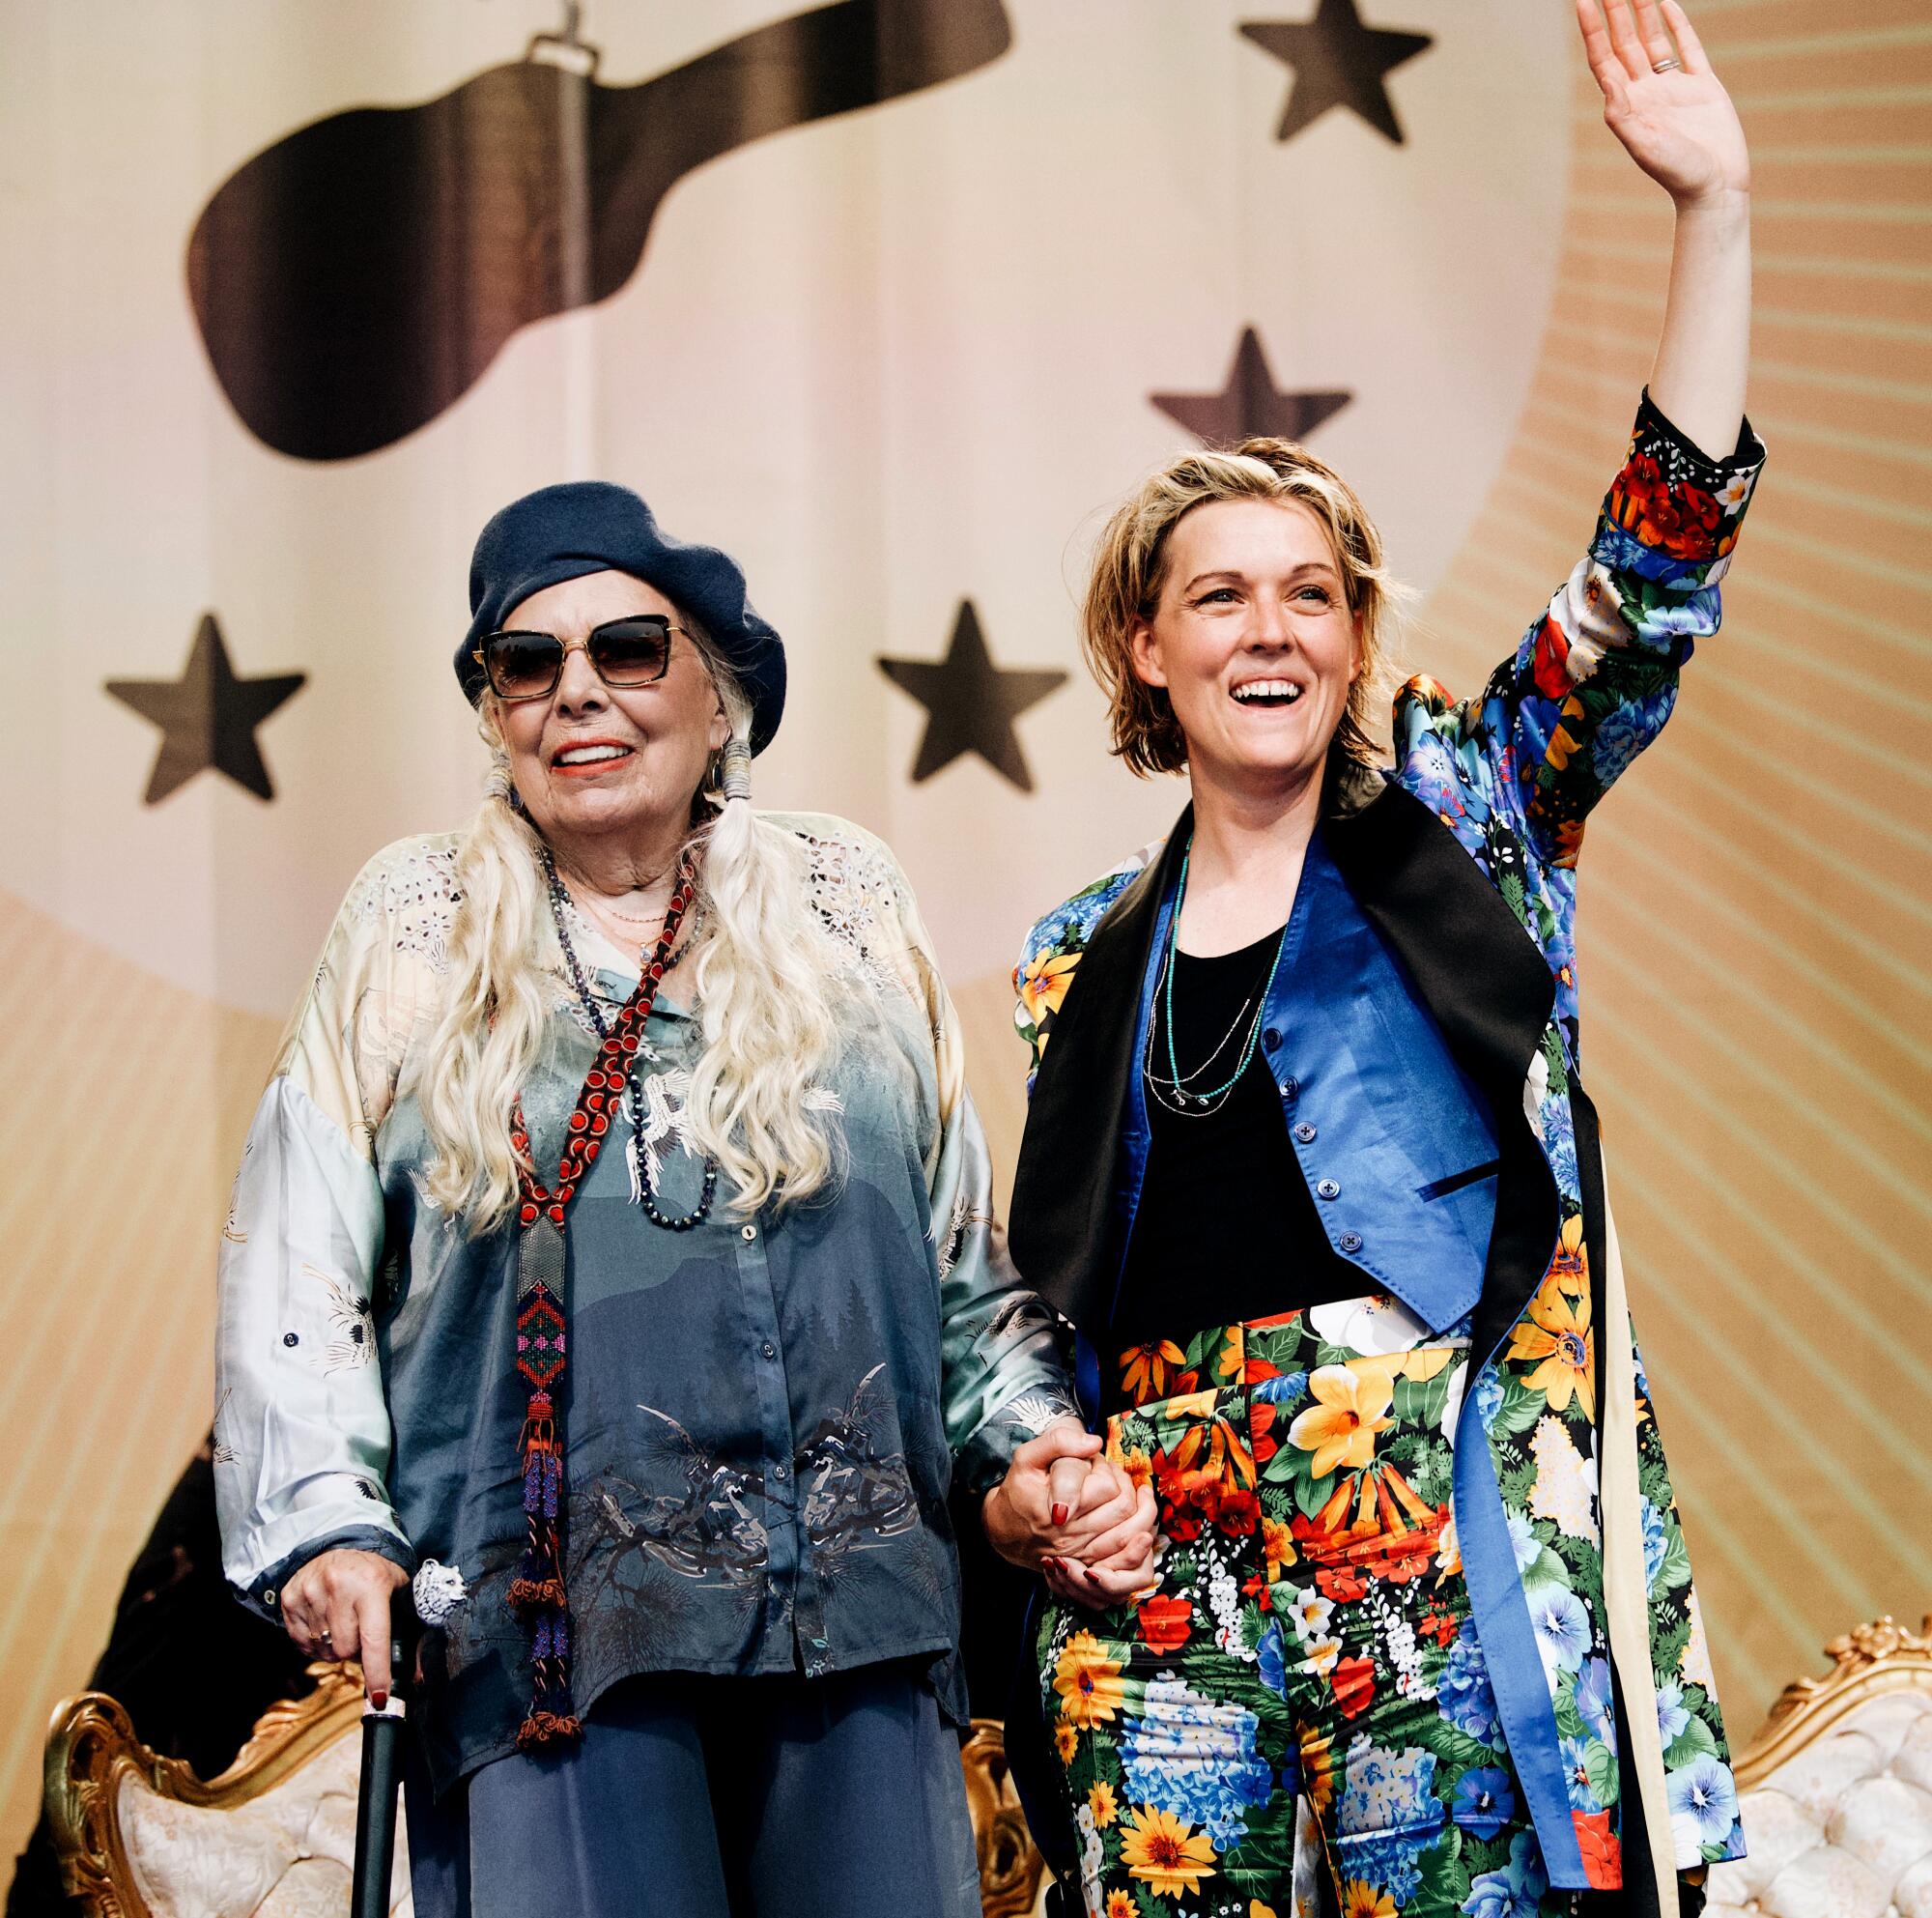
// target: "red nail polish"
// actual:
[[377, 1700], [1059, 1514], [1090, 1576]]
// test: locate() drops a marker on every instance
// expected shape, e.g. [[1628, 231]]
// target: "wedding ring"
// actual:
[[1664, 65], [322, 1635]]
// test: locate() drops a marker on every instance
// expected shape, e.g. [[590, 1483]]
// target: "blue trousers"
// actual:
[[714, 1797]]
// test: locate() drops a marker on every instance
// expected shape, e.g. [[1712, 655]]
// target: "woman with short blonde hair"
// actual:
[[1310, 1165], [1128, 571]]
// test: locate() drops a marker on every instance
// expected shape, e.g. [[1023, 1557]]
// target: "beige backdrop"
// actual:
[[899, 360]]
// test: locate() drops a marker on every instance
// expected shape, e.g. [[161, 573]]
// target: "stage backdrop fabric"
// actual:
[[893, 298]]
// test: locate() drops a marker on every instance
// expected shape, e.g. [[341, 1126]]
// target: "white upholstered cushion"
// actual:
[[285, 1854], [1844, 1829]]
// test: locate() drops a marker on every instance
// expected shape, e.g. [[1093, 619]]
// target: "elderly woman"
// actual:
[[1310, 1164], [612, 1249]]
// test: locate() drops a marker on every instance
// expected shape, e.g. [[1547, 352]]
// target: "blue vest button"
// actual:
[[1352, 1242], [1271, 1038], [1305, 1133], [1328, 1189]]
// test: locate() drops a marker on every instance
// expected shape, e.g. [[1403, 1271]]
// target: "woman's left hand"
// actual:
[[1679, 125], [1061, 1499], [1116, 1561]]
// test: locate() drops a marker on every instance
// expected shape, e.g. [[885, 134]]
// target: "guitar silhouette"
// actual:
[[358, 277]]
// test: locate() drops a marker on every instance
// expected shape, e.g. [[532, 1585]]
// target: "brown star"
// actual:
[[1250, 404], [207, 717], [970, 703], [1337, 62]]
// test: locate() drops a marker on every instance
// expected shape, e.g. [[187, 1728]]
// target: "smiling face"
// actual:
[[1253, 639], [597, 762]]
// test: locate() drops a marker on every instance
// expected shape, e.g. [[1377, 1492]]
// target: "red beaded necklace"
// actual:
[[537, 1594]]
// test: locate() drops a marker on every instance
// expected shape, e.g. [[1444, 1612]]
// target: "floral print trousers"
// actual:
[[1310, 1637]]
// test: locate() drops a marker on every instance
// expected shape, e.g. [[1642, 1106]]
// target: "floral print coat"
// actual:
[[1558, 1502]]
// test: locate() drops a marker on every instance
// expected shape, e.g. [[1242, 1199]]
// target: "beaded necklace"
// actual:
[[636, 1151], [1174, 1093], [537, 1593]]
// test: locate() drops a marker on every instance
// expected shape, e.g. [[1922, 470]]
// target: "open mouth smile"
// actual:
[[1265, 693], [590, 757]]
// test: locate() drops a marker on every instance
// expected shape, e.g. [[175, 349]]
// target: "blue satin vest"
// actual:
[[1394, 1138]]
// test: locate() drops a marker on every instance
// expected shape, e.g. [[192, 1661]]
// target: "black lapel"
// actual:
[[1481, 975], [1062, 1224], [1489, 988]]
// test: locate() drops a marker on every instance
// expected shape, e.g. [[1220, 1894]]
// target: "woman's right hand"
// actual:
[[338, 1606]]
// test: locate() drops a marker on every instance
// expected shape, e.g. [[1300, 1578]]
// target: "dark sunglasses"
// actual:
[[632, 652]]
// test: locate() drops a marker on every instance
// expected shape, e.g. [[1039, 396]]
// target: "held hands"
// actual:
[[338, 1606], [1065, 1512], [1678, 125]]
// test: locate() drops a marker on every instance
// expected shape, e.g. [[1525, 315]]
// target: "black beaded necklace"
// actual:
[[559, 901]]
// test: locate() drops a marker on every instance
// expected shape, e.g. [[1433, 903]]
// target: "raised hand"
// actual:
[[1678, 124]]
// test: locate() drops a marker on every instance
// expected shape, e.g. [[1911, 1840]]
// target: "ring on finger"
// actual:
[[1671, 66]]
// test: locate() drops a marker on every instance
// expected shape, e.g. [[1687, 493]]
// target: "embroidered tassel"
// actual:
[[553, 1719], [537, 1593], [539, 1581]]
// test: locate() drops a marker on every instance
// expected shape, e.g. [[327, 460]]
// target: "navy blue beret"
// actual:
[[588, 525]]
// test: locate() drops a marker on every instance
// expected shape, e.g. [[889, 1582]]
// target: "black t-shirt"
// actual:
[[1227, 1228]]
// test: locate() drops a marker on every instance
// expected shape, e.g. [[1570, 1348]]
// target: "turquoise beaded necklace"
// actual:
[[1173, 1091]]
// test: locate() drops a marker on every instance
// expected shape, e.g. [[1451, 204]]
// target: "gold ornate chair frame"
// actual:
[[1866, 1662], [1010, 1867], [93, 1751]]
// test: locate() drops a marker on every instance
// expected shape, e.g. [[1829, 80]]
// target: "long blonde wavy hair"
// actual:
[[764, 974]]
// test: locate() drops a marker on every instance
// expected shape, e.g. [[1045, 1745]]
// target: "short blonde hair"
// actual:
[[1131, 569]]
